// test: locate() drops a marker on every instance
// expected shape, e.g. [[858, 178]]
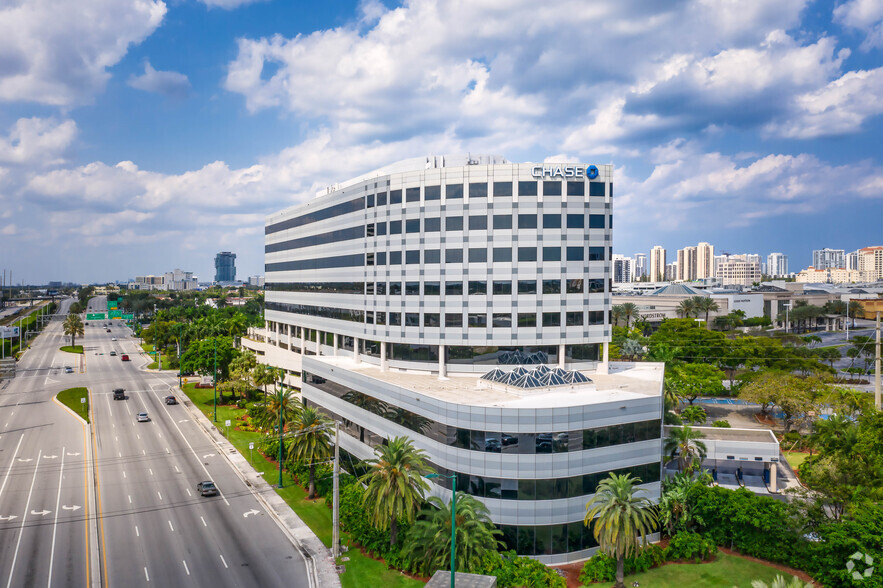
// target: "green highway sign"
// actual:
[[115, 314], [128, 317], [95, 316]]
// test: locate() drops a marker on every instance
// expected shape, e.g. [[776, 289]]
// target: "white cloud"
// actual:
[[167, 83], [38, 142], [864, 15], [228, 4]]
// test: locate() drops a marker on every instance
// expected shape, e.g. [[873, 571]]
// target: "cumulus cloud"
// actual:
[[228, 4], [38, 142], [58, 52], [863, 15], [167, 83]]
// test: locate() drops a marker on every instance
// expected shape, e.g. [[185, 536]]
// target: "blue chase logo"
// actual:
[[592, 172]]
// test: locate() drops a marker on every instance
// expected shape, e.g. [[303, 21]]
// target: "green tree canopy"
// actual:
[[693, 380], [310, 442], [200, 357]]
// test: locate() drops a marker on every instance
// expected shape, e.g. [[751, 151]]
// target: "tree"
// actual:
[[793, 395], [781, 582], [684, 443], [616, 313], [675, 514], [686, 308], [73, 326], [629, 311], [395, 484], [311, 442], [632, 348], [707, 305], [855, 309], [693, 380], [619, 519], [241, 368], [200, 357], [267, 414], [694, 415], [428, 543], [262, 375]]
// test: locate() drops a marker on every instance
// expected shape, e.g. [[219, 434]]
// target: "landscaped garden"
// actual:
[[74, 398]]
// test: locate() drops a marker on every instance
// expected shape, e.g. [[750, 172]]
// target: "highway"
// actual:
[[150, 524]]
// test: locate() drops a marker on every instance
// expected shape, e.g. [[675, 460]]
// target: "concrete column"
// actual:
[[303, 341], [334, 343], [318, 342], [356, 343], [288, 329], [561, 356], [773, 475], [604, 366], [276, 343], [774, 310], [384, 364], [442, 366]]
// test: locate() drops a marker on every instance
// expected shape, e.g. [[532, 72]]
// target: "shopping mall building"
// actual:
[[463, 301]]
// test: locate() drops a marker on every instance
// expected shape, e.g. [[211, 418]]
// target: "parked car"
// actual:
[[119, 394], [207, 488], [171, 400], [142, 417]]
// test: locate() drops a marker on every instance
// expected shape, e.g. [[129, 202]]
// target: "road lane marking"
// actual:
[[186, 569], [167, 451], [124, 474], [188, 492], [119, 454], [9, 469], [171, 527], [223, 561], [158, 494], [146, 575], [137, 532], [143, 452], [23, 519], [150, 470], [177, 470], [251, 512], [139, 436], [130, 499], [55, 524], [160, 435], [204, 524]]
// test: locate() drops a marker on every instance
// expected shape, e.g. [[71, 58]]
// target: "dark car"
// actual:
[[119, 394], [171, 400], [68, 370], [113, 353], [108, 330], [207, 489]]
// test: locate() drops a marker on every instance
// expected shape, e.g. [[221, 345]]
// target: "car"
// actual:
[[125, 357], [108, 330], [113, 338], [207, 488], [142, 417], [68, 369], [113, 353], [171, 400], [119, 394]]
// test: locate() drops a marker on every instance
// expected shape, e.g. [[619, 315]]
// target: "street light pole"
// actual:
[[215, 376], [335, 515], [279, 400]]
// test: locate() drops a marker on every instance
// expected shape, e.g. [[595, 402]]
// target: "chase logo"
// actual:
[[592, 172], [564, 171]]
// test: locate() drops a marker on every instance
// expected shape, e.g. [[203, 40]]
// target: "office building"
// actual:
[[257, 281], [671, 272], [830, 275], [870, 263], [686, 264], [825, 258], [180, 280], [704, 261], [657, 264], [852, 260], [225, 267], [622, 269], [640, 268], [777, 265], [738, 270], [464, 302]]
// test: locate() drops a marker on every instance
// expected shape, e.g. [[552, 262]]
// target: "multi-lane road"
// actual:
[[115, 503]]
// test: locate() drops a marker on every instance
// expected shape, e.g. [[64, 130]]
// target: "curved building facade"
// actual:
[[392, 294]]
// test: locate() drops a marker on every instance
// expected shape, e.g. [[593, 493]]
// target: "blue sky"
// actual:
[[138, 136]]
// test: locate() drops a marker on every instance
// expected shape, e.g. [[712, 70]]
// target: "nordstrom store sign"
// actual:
[[564, 171]]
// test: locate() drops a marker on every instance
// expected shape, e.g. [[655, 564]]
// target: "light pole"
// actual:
[[215, 376], [279, 400], [453, 479]]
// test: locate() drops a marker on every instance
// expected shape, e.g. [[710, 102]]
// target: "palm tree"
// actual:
[[619, 518], [395, 484], [707, 305], [616, 313], [73, 326], [781, 582], [281, 399], [629, 311], [683, 443], [428, 543], [632, 348], [686, 308], [262, 374], [855, 308], [311, 442], [694, 414]]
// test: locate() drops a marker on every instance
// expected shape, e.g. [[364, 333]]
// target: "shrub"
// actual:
[[688, 545], [513, 571], [723, 423], [602, 568]]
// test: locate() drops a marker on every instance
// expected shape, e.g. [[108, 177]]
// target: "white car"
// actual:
[[113, 338], [142, 417]]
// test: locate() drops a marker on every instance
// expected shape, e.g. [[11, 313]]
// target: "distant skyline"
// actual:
[[164, 132]]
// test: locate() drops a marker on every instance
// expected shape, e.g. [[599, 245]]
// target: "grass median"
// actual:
[[72, 349], [361, 570], [73, 398]]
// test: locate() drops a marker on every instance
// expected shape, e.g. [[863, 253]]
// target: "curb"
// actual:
[[321, 569]]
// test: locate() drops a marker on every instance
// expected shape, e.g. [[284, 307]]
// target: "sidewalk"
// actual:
[[318, 560]]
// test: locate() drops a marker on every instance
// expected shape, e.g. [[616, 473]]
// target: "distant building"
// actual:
[[225, 267], [671, 272], [179, 280], [829, 275], [852, 260], [622, 269], [147, 283], [640, 269], [739, 270], [704, 261], [825, 258], [777, 265], [657, 264], [257, 281], [870, 263], [686, 264]]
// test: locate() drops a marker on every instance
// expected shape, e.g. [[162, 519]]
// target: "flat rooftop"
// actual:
[[723, 434], [625, 381]]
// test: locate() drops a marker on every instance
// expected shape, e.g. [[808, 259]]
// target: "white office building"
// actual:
[[623, 269], [777, 265], [641, 268], [825, 258], [464, 302]]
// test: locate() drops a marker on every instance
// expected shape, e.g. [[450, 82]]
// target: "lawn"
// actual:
[[361, 570], [72, 398], [726, 571], [795, 459], [72, 349], [149, 349]]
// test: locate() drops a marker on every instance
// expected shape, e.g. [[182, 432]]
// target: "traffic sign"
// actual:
[[116, 314], [95, 316]]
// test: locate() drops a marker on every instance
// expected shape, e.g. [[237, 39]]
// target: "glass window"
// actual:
[[551, 254], [431, 319], [432, 192], [369, 259], [412, 319], [395, 227], [502, 188], [597, 189], [381, 229], [527, 319], [454, 191], [395, 197], [502, 221], [574, 319], [478, 190], [551, 286], [503, 287], [453, 319], [369, 288], [369, 316], [412, 195], [412, 225], [477, 287], [527, 221], [502, 320], [477, 223], [381, 287], [453, 288], [412, 288], [575, 253], [596, 221], [395, 288], [454, 223], [478, 320], [596, 317], [527, 286], [381, 199], [526, 534], [432, 225], [551, 188], [502, 254], [477, 255], [453, 256], [576, 188], [369, 201], [575, 286], [596, 254], [551, 221], [369, 230], [596, 285], [527, 254], [576, 221], [412, 257], [432, 256], [381, 258], [381, 318], [395, 258], [527, 188], [395, 318], [431, 289], [551, 319]]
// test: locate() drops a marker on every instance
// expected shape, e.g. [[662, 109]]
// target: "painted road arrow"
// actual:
[[24, 459], [251, 512], [73, 454], [42, 513], [9, 518], [50, 456], [209, 455], [184, 421], [74, 507]]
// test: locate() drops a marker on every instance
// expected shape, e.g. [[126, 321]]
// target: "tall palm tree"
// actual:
[[311, 442], [284, 400], [684, 443], [619, 518], [395, 484], [262, 375], [629, 311], [616, 313], [707, 305], [428, 543], [686, 308], [73, 326]]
